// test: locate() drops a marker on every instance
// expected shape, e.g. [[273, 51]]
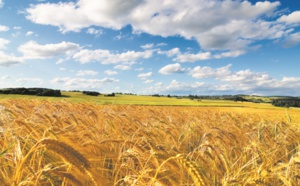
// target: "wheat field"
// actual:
[[64, 143]]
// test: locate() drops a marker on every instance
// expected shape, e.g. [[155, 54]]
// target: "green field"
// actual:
[[121, 99]]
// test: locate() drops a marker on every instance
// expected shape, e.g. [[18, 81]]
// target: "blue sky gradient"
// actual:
[[152, 46]]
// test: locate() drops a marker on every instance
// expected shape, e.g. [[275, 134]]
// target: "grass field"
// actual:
[[84, 140], [120, 99]]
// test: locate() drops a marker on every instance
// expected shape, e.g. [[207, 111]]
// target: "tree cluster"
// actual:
[[32, 91], [110, 95], [91, 93], [286, 102]]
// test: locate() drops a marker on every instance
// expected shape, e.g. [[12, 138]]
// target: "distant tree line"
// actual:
[[286, 102], [221, 97], [110, 95], [32, 91], [94, 93]]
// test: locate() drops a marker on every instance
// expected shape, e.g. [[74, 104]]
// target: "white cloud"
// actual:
[[2, 27], [161, 44], [1, 3], [229, 54], [191, 57], [5, 77], [206, 72], [294, 17], [9, 60], [81, 83], [152, 45], [93, 31], [86, 56], [159, 84], [62, 69], [187, 57], [3, 42], [122, 67], [240, 82], [148, 81], [144, 76], [216, 25], [172, 68], [33, 50], [110, 72], [29, 33], [139, 69], [176, 87], [292, 40], [170, 53], [24, 81], [105, 13], [147, 46], [106, 57], [86, 73], [17, 28], [247, 78], [59, 61]]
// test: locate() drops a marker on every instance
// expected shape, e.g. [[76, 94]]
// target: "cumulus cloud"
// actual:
[[171, 69], [29, 33], [144, 76], [148, 81], [33, 50], [105, 13], [246, 82], [147, 46], [216, 25], [7, 77], [292, 18], [139, 69], [292, 40], [3, 42], [9, 60], [110, 72], [187, 57], [175, 87], [200, 56], [206, 72], [24, 81], [152, 45], [93, 31], [2, 27], [235, 53], [106, 57], [87, 73], [170, 53], [122, 67], [81, 83]]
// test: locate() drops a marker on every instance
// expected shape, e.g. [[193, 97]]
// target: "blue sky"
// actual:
[[178, 47]]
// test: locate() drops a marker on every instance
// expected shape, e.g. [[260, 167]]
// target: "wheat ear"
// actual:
[[192, 169], [187, 164], [67, 152]]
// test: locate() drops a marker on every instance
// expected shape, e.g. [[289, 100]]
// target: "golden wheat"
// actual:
[[64, 143]]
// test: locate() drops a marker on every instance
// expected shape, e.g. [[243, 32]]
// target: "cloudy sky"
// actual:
[[152, 46]]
